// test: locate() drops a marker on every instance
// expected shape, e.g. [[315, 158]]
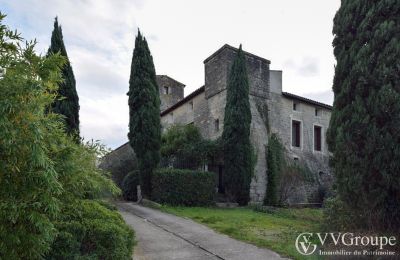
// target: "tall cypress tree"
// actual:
[[364, 131], [67, 103], [144, 112], [236, 133]]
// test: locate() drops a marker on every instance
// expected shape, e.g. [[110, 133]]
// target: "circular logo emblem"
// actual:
[[303, 244]]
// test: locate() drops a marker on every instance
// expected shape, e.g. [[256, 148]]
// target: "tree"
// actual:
[[28, 178], [48, 181], [364, 134], [236, 133], [144, 112], [67, 102]]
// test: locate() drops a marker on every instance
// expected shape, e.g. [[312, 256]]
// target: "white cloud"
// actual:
[[306, 67], [325, 97], [105, 119]]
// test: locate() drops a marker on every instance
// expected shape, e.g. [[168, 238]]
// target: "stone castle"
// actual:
[[300, 123]]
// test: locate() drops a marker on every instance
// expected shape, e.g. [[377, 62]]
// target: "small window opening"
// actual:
[[191, 105], [317, 112], [296, 133], [166, 90], [317, 138], [294, 106], [216, 125]]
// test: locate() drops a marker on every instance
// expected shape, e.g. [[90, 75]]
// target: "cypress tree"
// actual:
[[67, 102], [364, 134], [236, 133], [144, 112], [275, 164]]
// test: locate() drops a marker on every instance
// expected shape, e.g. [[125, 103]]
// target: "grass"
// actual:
[[276, 230]]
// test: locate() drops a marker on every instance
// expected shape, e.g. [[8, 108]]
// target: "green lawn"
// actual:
[[277, 230]]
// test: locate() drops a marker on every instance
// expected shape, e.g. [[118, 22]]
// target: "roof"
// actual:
[[174, 80], [119, 147], [182, 101], [227, 46], [306, 100]]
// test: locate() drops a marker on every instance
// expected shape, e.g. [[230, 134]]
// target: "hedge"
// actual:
[[89, 230], [183, 187]]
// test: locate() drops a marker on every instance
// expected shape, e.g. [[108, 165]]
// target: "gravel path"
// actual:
[[164, 236]]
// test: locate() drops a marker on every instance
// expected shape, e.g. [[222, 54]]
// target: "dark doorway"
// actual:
[[221, 188]]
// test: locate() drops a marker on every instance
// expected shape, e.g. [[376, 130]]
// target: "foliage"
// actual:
[[28, 178], [91, 231], [67, 102], [284, 178], [275, 164], [236, 133], [129, 186], [276, 229], [364, 128], [43, 171], [84, 226], [144, 112], [338, 216], [291, 178], [183, 187], [77, 170], [184, 143]]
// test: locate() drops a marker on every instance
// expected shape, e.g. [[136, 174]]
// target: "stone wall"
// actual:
[[175, 91], [189, 112], [119, 162], [281, 116]]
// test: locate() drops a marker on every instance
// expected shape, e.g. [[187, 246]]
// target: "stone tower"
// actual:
[[171, 91], [217, 68]]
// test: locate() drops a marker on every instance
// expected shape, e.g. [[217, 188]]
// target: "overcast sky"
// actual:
[[296, 36]]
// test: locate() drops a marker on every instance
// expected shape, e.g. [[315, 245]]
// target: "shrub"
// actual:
[[28, 179], [339, 217], [46, 176], [183, 147], [284, 178], [290, 181], [129, 186], [183, 187], [91, 231]]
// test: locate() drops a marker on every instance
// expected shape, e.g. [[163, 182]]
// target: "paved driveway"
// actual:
[[163, 236]]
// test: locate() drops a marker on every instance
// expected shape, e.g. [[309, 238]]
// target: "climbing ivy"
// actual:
[[275, 163], [283, 177]]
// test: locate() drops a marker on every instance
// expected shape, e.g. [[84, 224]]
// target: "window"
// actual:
[[216, 125], [317, 138], [294, 106], [166, 90], [296, 133], [191, 105], [317, 112]]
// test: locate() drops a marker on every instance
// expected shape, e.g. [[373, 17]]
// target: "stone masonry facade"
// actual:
[[273, 111]]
